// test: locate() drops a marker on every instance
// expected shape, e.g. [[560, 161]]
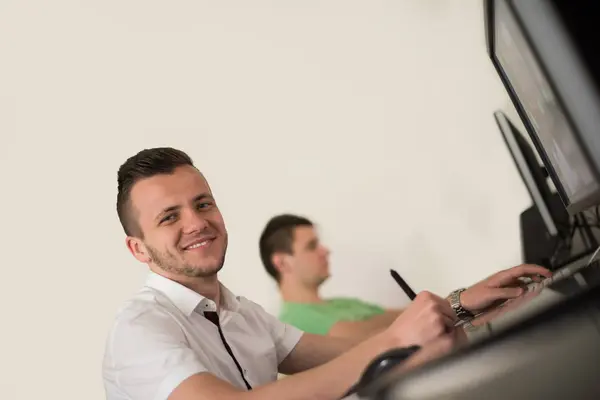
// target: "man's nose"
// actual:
[[194, 221]]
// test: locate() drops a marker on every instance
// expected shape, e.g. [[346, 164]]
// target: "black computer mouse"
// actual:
[[385, 361], [381, 364]]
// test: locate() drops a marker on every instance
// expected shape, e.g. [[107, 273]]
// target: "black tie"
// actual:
[[213, 317]]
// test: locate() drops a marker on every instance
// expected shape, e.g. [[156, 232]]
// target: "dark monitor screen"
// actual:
[[565, 150]]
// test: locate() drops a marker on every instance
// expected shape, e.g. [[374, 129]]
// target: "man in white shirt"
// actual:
[[185, 336]]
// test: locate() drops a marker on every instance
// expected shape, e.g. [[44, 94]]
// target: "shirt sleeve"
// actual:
[[285, 336], [149, 356]]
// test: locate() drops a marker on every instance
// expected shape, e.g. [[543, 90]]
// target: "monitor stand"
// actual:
[[537, 245], [553, 252]]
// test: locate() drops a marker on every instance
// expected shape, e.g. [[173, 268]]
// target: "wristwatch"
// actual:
[[461, 312]]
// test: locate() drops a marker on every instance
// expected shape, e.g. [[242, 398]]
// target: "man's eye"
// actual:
[[167, 218], [203, 205]]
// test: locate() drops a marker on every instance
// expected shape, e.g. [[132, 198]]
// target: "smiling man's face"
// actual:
[[183, 230]]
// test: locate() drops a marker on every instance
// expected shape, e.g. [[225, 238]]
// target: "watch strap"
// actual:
[[461, 312]]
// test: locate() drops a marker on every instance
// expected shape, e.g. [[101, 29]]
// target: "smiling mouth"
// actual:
[[199, 245]]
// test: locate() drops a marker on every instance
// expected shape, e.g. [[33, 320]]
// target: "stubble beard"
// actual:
[[169, 263]]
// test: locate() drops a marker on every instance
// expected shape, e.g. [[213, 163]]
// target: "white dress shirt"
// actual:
[[161, 337]]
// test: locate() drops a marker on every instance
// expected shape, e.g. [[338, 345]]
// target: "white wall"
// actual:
[[374, 118]]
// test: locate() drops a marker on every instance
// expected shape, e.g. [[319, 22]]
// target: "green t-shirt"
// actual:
[[319, 318]]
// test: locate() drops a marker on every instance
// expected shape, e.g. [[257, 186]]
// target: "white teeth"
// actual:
[[195, 246]]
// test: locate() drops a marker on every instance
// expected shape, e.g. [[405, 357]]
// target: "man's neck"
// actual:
[[293, 293], [208, 287]]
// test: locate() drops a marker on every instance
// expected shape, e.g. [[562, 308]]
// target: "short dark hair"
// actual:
[[145, 164], [278, 237]]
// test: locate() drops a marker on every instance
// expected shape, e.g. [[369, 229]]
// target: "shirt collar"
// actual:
[[188, 301]]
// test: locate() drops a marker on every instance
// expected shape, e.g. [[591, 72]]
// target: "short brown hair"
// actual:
[[278, 237], [145, 164]]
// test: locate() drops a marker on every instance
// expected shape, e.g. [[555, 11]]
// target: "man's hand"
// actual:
[[501, 286], [427, 318]]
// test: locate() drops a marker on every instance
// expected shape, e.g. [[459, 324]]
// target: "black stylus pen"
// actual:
[[409, 292]]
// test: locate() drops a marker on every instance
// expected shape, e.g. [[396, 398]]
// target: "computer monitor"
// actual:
[[550, 70], [532, 173]]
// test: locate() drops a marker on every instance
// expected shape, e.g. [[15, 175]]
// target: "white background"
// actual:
[[374, 118]]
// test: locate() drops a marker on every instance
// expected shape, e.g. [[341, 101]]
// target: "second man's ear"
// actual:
[[281, 262]]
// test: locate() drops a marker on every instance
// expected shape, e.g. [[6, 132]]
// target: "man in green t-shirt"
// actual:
[[293, 255]]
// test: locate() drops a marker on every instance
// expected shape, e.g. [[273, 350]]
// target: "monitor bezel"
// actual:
[[571, 207], [508, 130]]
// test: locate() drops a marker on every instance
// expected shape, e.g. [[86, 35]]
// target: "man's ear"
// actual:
[[138, 249], [281, 262]]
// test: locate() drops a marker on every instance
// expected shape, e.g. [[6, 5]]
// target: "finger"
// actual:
[[528, 279], [440, 325], [532, 270], [529, 270], [443, 307], [520, 283], [449, 324], [436, 327], [437, 304], [503, 293]]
